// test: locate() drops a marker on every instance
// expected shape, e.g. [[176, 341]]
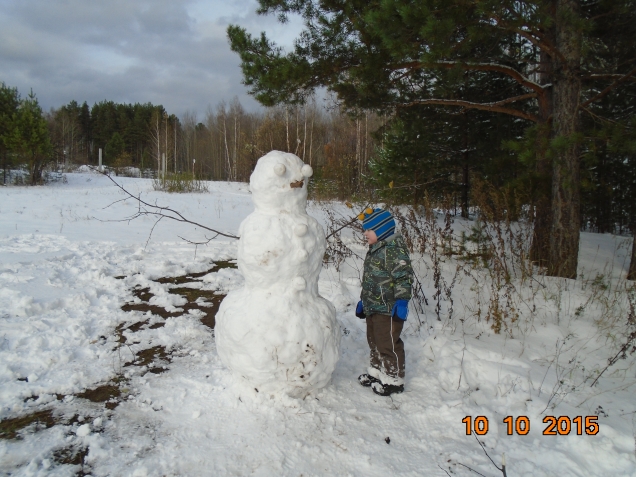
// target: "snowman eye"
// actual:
[[307, 170], [279, 169]]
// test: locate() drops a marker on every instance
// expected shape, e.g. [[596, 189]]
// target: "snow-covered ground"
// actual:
[[68, 265]]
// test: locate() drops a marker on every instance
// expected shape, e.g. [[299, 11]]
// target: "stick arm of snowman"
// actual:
[[340, 228], [157, 211], [334, 232]]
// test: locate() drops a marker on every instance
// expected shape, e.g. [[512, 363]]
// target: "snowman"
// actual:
[[277, 332]]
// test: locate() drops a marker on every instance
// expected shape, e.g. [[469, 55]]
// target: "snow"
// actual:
[[60, 306], [83, 430], [276, 331]]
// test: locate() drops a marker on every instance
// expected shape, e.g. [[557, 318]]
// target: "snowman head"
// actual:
[[279, 182]]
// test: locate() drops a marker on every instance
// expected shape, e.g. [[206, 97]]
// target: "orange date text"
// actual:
[[555, 426]]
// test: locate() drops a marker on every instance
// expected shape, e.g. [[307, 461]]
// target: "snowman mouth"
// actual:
[[296, 184]]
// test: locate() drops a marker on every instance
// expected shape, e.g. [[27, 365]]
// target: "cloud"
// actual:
[[173, 53]]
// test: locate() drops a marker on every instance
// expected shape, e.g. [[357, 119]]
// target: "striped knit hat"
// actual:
[[380, 221]]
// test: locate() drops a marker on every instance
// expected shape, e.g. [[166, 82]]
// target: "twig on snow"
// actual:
[[443, 469], [461, 365], [471, 469], [622, 354], [629, 343], [501, 469]]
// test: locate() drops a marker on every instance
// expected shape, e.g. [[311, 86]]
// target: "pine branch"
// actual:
[[541, 44], [600, 118], [607, 76], [535, 37], [514, 99], [507, 70], [493, 107], [607, 90]]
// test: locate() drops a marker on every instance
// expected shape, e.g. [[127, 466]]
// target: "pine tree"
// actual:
[[86, 135], [9, 101], [114, 148], [29, 137], [396, 54]]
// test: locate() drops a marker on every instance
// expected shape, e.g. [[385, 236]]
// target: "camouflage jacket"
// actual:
[[387, 275]]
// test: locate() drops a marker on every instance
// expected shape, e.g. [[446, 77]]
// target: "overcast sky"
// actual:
[[169, 52]]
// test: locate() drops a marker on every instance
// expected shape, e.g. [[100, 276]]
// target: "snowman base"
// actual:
[[278, 343]]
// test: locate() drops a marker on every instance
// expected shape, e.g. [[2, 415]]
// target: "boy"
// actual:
[[386, 291]]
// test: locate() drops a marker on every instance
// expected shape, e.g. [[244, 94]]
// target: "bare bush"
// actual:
[[179, 182]]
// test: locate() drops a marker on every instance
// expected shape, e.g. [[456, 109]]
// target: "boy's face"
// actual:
[[371, 236]]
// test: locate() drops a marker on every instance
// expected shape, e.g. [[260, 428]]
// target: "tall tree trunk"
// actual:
[[287, 127], [228, 166], [540, 247], [631, 274], [465, 175], [465, 187], [311, 135], [566, 220], [305, 132]]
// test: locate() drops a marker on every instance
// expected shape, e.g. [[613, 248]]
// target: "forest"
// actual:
[[534, 99], [223, 145], [353, 155], [565, 68]]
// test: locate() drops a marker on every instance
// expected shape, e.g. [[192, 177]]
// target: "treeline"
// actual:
[[224, 144], [423, 152]]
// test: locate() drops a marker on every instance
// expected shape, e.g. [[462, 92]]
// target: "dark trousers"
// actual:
[[387, 348]]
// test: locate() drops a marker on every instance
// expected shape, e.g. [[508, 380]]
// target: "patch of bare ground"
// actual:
[[207, 302], [154, 309], [10, 428], [109, 394], [193, 276], [18, 427], [155, 358], [73, 455]]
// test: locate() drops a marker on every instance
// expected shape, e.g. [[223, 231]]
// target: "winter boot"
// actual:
[[386, 389], [367, 380]]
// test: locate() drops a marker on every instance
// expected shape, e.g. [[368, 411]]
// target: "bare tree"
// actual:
[[189, 121]]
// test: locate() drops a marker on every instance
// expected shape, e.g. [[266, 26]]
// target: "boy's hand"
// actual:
[[400, 309], [360, 310]]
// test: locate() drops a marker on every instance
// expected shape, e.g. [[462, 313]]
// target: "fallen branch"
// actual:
[[191, 242], [145, 208]]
